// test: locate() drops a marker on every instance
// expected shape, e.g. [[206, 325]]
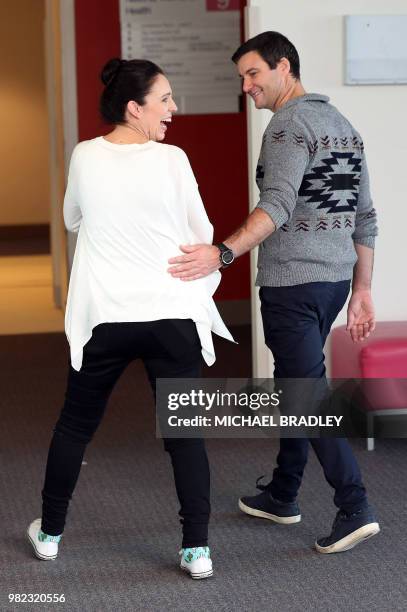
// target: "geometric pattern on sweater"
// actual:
[[259, 172], [302, 225], [279, 136], [334, 185], [322, 224]]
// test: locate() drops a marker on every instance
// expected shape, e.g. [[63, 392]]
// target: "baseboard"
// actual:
[[25, 239]]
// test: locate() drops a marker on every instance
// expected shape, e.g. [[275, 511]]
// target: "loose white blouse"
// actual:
[[133, 205]]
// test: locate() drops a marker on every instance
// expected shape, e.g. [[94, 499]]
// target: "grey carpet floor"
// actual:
[[119, 551]]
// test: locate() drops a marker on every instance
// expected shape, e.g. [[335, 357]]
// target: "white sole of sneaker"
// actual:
[[197, 576], [282, 520], [38, 554], [351, 540]]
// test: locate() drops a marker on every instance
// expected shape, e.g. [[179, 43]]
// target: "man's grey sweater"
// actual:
[[314, 184]]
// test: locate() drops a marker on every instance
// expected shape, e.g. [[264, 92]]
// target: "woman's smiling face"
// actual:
[[157, 110]]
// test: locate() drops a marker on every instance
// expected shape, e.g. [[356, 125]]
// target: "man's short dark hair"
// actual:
[[272, 47]]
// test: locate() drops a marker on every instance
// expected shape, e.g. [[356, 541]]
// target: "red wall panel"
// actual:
[[215, 144]]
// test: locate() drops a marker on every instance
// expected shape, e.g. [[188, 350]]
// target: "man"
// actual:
[[316, 226]]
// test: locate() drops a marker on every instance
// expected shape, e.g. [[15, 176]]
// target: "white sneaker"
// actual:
[[197, 562], [45, 548]]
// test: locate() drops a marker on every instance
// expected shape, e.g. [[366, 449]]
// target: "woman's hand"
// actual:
[[199, 261]]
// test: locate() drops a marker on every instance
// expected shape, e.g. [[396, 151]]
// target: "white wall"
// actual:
[[379, 113]]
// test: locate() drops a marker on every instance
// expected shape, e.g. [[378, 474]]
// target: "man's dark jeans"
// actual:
[[296, 321]]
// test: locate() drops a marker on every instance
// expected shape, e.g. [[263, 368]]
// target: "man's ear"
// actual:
[[134, 109], [284, 66]]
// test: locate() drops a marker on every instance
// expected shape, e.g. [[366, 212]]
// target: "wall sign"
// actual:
[[192, 41], [376, 49]]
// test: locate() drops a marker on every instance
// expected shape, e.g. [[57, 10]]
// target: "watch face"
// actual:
[[227, 257]]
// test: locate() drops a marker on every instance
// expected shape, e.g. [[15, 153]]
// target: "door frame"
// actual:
[[262, 358], [60, 68]]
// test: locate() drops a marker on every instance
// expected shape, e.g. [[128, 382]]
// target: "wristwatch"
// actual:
[[226, 255]]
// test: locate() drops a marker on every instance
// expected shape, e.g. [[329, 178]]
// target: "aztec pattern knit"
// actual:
[[314, 184]]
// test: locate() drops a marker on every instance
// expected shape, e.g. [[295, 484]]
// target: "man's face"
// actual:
[[259, 81]]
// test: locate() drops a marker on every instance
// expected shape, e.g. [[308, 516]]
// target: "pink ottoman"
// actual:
[[381, 356]]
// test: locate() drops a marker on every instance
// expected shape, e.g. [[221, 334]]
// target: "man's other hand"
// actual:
[[361, 315], [199, 261]]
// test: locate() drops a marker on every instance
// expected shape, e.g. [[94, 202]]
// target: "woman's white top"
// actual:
[[133, 205]]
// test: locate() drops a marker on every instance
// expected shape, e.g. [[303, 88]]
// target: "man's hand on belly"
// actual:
[[199, 261]]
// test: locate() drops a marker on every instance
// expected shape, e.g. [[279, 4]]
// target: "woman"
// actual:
[[132, 201]]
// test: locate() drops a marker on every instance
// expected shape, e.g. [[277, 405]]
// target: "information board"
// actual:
[[192, 41]]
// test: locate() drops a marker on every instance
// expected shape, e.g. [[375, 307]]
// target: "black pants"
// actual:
[[169, 348], [296, 323]]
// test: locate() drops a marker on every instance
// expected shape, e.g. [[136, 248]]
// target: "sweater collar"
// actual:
[[309, 97]]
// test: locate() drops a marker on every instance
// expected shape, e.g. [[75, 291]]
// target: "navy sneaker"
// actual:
[[264, 505], [348, 530]]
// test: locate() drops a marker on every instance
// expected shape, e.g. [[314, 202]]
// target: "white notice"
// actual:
[[192, 41]]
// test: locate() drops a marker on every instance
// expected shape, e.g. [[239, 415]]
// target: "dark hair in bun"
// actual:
[[125, 80], [110, 69]]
